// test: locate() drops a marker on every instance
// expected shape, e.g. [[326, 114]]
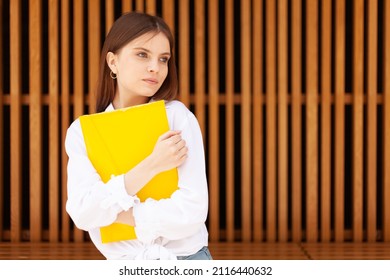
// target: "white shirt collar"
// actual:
[[110, 107]]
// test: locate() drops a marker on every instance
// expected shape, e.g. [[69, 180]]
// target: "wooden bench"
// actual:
[[219, 251]]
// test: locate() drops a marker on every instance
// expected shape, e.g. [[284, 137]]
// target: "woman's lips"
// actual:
[[151, 81]]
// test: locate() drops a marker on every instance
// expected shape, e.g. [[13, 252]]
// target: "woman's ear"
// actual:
[[111, 62]]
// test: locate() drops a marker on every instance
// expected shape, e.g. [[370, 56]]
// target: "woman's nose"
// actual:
[[153, 66]]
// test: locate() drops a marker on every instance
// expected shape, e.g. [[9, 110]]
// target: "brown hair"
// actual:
[[125, 29]]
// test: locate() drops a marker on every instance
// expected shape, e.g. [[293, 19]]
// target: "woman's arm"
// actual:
[[169, 152], [91, 203], [185, 212]]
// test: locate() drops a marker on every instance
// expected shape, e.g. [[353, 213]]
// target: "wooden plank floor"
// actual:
[[348, 251], [257, 251], [219, 251]]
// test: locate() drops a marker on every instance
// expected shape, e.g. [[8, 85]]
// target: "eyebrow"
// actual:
[[148, 51]]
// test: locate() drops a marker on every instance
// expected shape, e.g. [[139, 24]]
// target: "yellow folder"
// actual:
[[117, 141]]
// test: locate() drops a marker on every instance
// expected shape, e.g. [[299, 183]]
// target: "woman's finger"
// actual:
[[169, 134]]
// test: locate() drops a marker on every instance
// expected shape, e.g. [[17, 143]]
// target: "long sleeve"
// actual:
[[184, 213], [91, 203]]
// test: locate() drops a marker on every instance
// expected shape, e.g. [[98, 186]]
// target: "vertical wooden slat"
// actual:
[[357, 160], [151, 7], [127, 6], [35, 68], [213, 89], [1, 131], [339, 120], [53, 122], [200, 70], [257, 84], [371, 131], [386, 122], [282, 122], [229, 43], [93, 50], [109, 14], [139, 5], [311, 121], [78, 50], [326, 120], [296, 107], [184, 52], [16, 120], [78, 72], [168, 13], [271, 118], [65, 114], [200, 102], [246, 108]]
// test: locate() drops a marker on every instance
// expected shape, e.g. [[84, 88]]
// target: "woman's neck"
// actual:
[[119, 102]]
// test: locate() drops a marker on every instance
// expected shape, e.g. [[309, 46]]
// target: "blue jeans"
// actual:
[[202, 254]]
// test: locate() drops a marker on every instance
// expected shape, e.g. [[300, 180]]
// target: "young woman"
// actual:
[[137, 66]]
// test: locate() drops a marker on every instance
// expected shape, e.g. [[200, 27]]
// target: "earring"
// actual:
[[112, 75]]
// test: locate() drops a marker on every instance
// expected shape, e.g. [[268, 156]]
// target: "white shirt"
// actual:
[[165, 228]]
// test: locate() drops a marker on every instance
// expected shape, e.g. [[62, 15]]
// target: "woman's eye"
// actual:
[[142, 54], [164, 59]]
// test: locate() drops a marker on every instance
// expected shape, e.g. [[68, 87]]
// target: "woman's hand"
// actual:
[[169, 152]]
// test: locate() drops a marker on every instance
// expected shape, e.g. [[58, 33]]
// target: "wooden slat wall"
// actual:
[[270, 104], [255, 76], [282, 121], [1, 129], [371, 131], [246, 100], [296, 120], [53, 122], [16, 122], [65, 113], [311, 120], [126, 7], [78, 74], [93, 48], [213, 91], [357, 173], [257, 85], [386, 122], [326, 133], [35, 116], [339, 105], [184, 52]]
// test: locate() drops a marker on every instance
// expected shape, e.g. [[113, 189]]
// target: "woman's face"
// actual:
[[141, 67]]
